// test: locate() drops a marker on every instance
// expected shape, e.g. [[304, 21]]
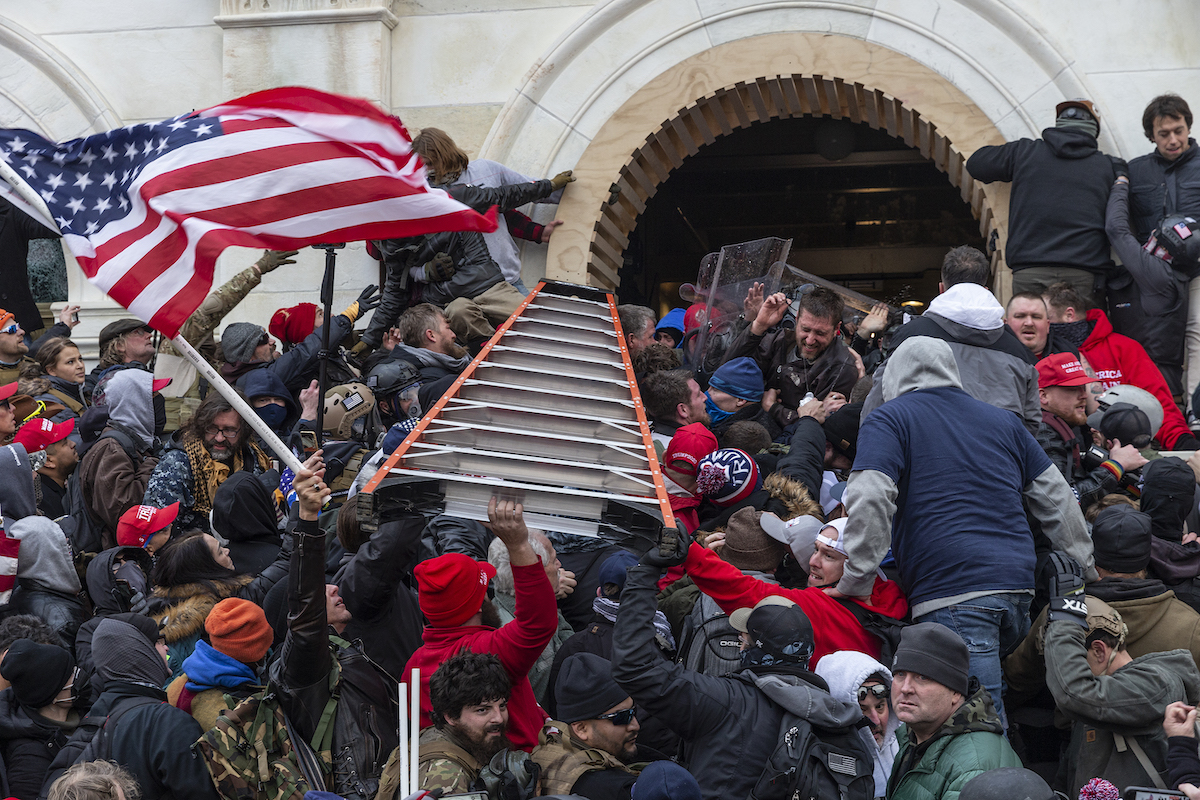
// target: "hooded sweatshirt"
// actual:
[[918, 487], [244, 513], [1060, 186], [1168, 493], [124, 655], [16, 484], [845, 672], [130, 404]]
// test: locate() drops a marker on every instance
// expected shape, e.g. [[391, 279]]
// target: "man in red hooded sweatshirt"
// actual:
[[452, 593]]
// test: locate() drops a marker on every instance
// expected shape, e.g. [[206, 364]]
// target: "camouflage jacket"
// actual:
[[970, 742], [445, 764], [205, 319], [564, 760]]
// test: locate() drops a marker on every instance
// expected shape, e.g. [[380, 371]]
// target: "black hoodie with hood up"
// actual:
[[1060, 186]]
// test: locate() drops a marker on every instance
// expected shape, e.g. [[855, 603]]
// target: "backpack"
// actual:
[[708, 643], [811, 763], [884, 628], [253, 751]]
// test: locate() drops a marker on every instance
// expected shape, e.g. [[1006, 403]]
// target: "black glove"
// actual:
[[671, 550], [370, 298], [440, 268], [1120, 168], [1067, 601]]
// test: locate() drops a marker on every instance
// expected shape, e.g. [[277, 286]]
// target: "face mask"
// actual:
[[160, 413], [273, 415], [714, 412]]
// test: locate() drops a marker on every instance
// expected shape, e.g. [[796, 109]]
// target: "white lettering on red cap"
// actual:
[[146, 513], [482, 578], [1072, 367], [47, 425]]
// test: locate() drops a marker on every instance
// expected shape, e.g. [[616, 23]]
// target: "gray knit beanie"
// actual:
[[933, 650], [240, 340]]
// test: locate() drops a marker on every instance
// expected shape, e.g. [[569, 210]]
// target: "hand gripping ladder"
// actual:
[[548, 414]]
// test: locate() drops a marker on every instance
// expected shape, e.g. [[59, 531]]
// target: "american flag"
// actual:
[[146, 209]]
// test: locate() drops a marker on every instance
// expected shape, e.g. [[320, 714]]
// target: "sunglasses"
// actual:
[[878, 691], [10, 328], [620, 717]]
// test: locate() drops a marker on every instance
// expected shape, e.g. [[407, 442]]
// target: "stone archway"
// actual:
[[745, 104]]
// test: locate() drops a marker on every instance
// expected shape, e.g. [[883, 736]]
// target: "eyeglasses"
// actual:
[[878, 690], [11, 328], [623, 717], [228, 433]]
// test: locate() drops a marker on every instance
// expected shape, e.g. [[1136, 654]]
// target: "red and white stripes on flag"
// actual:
[[9, 547], [147, 209]]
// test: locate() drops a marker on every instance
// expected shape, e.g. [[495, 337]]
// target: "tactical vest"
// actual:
[[434, 746], [564, 761]]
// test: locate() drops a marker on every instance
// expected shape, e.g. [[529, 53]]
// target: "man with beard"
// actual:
[[427, 344], [452, 594], [673, 399], [214, 444], [470, 694], [591, 752], [1062, 387]]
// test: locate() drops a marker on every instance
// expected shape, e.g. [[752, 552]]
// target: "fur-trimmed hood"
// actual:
[[34, 386], [181, 610], [794, 495]]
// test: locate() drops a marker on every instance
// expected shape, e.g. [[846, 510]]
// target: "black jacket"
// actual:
[[153, 741], [729, 726], [30, 742], [1089, 486], [1159, 188], [784, 369], [16, 229], [386, 617], [1060, 187], [364, 724], [64, 613], [108, 599]]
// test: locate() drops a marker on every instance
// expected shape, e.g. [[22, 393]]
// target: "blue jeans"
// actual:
[[992, 626], [519, 285]]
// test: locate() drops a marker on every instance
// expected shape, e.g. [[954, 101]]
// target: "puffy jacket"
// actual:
[[364, 723], [29, 743], [1118, 359], [1159, 188], [1158, 621], [437, 371], [1089, 487], [1108, 708], [386, 617], [1060, 186], [729, 725], [970, 742]]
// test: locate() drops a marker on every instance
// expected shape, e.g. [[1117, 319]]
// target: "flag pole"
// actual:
[[285, 454]]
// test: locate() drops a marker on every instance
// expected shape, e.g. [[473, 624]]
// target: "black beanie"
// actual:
[[1168, 489], [585, 688], [933, 650], [37, 672], [1121, 539]]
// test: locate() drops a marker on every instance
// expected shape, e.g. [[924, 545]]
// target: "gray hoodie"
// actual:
[[130, 404], [845, 671], [16, 484], [45, 556], [123, 654]]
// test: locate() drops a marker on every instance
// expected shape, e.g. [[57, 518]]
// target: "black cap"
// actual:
[[114, 329], [779, 628], [37, 672], [585, 688], [1007, 783], [1124, 422], [933, 650], [841, 429], [1121, 539]]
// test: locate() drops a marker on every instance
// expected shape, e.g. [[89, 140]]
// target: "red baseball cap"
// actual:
[[140, 523], [39, 433], [1061, 369], [8, 390], [689, 444], [451, 588], [158, 384]]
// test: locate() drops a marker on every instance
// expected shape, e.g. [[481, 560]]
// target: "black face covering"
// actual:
[[160, 413]]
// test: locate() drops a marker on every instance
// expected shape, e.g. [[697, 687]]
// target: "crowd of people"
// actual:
[[930, 557]]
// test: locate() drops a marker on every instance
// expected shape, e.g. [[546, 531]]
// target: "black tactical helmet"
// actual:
[[390, 377]]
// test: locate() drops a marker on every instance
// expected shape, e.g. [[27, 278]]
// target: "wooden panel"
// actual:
[[641, 179], [738, 103], [776, 93], [722, 109], [794, 91], [757, 102], [937, 150], [810, 93], [630, 196], [854, 102], [924, 132], [673, 150], [695, 116], [833, 99], [616, 230], [874, 104], [686, 136]]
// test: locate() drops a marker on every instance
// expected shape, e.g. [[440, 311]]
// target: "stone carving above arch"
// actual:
[[740, 106], [45, 92]]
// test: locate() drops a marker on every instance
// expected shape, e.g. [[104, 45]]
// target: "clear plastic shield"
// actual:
[[721, 286]]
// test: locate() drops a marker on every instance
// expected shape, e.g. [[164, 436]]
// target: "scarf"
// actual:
[[208, 474], [1074, 333], [209, 668], [715, 413], [662, 629]]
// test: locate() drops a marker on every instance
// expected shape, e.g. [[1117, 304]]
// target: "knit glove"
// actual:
[[370, 298], [1120, 167], [562, 179], [1067, 602], [671, 550], [274, 259], [440, 268]]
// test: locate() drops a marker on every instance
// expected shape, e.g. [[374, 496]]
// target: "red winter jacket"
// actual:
[[1118, 359], [834, 627], [517, 644]]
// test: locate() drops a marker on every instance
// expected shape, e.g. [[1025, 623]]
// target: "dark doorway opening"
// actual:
[[863, 209]]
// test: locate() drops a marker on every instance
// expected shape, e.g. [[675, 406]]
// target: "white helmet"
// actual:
[[1135, 396]]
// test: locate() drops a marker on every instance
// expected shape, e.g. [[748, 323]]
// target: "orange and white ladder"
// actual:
[[548, 414]]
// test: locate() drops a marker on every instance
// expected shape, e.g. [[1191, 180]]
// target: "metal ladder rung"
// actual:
[[554, 472], [534, 443], [558, 421], [552, 399], [597, 370], [569, 333], [590, 322], [558, 300], [555, 345], [514, 374]]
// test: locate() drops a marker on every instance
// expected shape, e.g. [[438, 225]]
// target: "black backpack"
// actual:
[[884, 628], [708, 643], [812, 763]]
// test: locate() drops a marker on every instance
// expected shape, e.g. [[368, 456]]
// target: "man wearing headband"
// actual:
[[835, 624]]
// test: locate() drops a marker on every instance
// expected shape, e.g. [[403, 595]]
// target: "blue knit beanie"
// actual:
[[740, 378]]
